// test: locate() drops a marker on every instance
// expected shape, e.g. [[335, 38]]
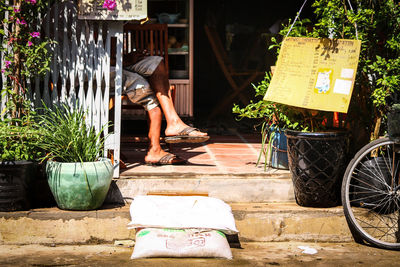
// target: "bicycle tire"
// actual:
[[372, 206]]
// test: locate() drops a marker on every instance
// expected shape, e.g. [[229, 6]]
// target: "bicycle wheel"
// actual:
[[371, 194]]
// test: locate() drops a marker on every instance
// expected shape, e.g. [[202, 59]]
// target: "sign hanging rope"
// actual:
[[355, 24], [301, 9], [295, 19]]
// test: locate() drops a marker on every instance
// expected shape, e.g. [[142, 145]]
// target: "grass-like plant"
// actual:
[[66, 137]]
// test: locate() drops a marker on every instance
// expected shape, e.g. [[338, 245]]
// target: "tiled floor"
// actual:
[[237, 153]]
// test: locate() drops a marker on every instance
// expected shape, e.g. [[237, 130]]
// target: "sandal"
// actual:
[[168, 159], [184, 137]]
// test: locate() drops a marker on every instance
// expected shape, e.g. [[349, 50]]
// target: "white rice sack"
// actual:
[[182, 212], [156, 242]]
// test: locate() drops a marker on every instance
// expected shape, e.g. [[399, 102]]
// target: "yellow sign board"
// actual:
[[315, 73], [125, 10]]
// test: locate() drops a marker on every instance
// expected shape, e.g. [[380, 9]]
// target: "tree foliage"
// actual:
[[377, 24]]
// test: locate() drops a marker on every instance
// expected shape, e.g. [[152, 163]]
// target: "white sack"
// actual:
[[155, 242], [182, 212]]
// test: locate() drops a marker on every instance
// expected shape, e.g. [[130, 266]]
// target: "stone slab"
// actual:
[[256, 222], [233, 188]]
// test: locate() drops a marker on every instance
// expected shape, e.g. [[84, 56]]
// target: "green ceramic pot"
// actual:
[[79, 186]]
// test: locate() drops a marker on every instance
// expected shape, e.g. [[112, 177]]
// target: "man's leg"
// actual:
[[139, 92], [155, 152], [160, 84]]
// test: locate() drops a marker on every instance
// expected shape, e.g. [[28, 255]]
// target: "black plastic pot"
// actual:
[[15, 180], [394, 124], [317, 162]]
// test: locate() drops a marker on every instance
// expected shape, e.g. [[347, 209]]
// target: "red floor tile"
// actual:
[[221, 154]]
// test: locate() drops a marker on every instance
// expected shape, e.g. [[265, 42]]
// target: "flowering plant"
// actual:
[[109, 4], [24, 51]]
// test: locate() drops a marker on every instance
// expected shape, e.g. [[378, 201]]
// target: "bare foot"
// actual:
[[160, 157], [153, 155]]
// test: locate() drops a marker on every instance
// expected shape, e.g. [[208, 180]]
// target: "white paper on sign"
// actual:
[[323, 81], [347, 73], [342, 87]]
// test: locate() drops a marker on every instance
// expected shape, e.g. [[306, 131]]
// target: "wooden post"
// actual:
[[113, 142]]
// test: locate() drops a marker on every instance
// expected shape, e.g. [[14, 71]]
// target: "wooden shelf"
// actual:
[[179, 81], [178, 25], [179, 59], [178, 53]]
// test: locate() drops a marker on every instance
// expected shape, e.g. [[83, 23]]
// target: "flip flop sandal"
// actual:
[[168, 159], [184, 137]]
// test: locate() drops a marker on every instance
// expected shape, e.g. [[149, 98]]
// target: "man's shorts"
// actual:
[[136, 87]]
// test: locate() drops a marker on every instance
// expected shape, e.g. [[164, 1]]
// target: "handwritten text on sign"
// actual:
[[315, 73]]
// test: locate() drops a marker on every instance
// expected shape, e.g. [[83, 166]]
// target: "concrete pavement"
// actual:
[[251, 254]]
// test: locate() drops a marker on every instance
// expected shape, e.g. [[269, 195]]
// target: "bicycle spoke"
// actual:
[[391, 164], [364, 182], [387, 232], [371, 225], [381, 177]]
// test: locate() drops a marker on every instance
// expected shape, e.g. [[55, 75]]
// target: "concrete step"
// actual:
[[257, 222], [270, 186]]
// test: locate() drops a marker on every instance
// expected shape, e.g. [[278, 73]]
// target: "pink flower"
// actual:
[[35, 34], [29, 43], [2, 71], [7, 63], [109, 4], [22, 21], [17, 10]]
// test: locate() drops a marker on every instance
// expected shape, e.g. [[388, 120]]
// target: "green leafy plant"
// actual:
[[25, 52], [267, 111], [20, 137], [377, 24], [66, 137], [24, 56], [269, 115]]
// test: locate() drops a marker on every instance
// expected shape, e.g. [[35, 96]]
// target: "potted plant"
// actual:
[[317, 161], [24, 54], [378, 74], [315, 155], [273, 120], [78, 176], [376, 87], [19, 151]]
